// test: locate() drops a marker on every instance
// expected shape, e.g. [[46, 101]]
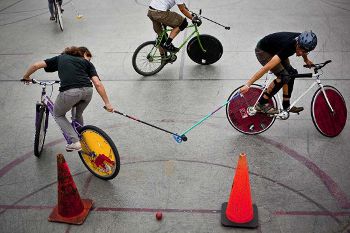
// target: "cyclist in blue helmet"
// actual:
[[273, 52]]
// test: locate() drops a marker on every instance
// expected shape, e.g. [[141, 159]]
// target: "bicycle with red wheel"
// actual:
[[328, 107]]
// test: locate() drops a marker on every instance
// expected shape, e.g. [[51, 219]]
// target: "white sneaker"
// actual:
[[76, 146]]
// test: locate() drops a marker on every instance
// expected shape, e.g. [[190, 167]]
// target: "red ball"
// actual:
[[159, 216]]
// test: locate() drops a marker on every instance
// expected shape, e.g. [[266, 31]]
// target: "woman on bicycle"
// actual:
[[76, 74], [159, 13], [272, 52]]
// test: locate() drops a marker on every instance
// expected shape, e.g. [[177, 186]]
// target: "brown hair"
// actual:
[[77, 51]]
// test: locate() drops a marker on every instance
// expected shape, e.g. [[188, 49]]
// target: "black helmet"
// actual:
[[307, 40]]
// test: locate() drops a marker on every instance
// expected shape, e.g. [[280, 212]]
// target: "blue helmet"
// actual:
[[307, 40]]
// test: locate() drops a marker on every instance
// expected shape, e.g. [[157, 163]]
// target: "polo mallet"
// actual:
[[79, 16], [210, 114], [178, 138], [226, 27]]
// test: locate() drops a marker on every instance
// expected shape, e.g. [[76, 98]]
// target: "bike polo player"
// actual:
[[76, 74], [272, 52], [159, 13], [51, 8]]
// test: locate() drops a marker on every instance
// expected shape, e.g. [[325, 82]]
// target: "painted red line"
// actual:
[[25, 207], [116, 209], [197, 211], [331, 185], [23, 158], [312, 213]]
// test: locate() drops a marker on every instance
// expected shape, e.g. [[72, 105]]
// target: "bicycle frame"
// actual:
[[194, 32], [282, 113], [45, 100]]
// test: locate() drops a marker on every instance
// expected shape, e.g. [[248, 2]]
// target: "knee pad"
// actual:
[[183, 25], [285, 76], [277, 87]]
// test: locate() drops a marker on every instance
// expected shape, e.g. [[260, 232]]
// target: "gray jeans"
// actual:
[[65, 101]]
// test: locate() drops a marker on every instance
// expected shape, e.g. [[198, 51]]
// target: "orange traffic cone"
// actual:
[[70, 208], [239, 211]]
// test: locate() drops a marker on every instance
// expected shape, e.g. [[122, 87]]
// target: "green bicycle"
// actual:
[[149, 58]]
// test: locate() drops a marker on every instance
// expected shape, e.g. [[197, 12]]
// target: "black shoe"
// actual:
[[169, 47], [295, 109], [52, 18], [62, 10]]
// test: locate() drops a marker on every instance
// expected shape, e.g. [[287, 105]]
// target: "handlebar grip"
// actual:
[[306, 66]]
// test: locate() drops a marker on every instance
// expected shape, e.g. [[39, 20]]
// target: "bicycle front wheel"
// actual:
[[212, 46], [59, 17], [40, 129], [99, 154], [147, 59], [328, 123], [238, 112]]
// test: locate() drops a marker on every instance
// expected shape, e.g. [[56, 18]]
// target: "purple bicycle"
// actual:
[[99, 153]]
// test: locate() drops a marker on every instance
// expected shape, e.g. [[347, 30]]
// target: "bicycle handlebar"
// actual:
[[319, 65], [34, 81]]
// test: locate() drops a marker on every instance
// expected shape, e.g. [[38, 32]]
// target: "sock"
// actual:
[[285, 104], [168, 41]]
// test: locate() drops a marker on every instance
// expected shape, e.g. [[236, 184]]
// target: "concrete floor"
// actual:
[[299, 179]]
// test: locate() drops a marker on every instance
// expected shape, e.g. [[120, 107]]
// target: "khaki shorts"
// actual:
[[264, 57], [167, 18]]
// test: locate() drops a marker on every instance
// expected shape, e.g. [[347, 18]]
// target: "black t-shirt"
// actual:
[[74, 72], [281, 44]]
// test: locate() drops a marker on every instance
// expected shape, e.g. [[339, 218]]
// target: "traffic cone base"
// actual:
[[78, 219], [228, 223]]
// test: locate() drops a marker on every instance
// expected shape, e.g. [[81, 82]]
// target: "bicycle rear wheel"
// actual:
[[327, 123], [213, 49], [147, 59], [238, 114], [40, 129], [99, 154]]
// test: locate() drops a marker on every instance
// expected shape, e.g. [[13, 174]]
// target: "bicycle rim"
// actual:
[[327, 123], [40, 132], [59, 16], [237, 112], [147, 59], [99, 154]]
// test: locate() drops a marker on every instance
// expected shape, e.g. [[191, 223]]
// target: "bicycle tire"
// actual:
[[59, 16], [142, 53], [236, 112], [328, 124], [212, 46], [99, 153], [40, 129]]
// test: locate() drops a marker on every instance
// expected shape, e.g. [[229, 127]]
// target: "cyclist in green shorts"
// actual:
[[273, 52], [159, 13]]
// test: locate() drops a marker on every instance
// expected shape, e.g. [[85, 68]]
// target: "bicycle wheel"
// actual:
[[237, 112], [212, 46], [40, 129], [59, 18], [147, 59], [327, 123], [99, 154]]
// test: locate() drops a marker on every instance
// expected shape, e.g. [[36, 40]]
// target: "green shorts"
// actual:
[[167, 18]]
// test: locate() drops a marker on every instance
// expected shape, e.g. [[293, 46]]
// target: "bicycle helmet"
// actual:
[[307, 40]]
